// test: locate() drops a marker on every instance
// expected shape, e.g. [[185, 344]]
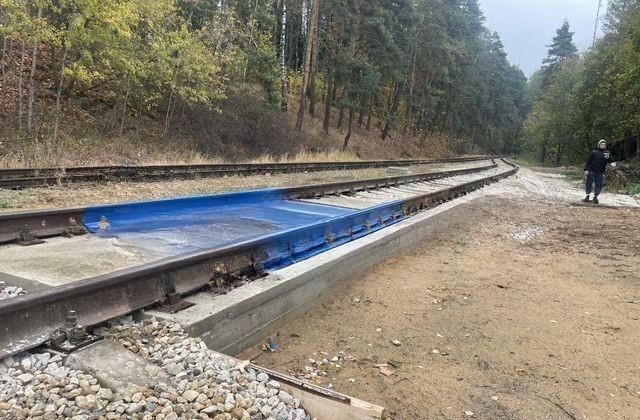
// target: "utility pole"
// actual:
[[595, 31]]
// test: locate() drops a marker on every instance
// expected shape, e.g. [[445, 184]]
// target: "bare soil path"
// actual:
[[528, 310]]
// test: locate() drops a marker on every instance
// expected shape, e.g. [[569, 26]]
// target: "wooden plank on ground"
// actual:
[[318, 402], [323, 403]]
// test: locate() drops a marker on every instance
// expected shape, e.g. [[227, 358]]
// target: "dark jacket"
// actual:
[[598, 160]]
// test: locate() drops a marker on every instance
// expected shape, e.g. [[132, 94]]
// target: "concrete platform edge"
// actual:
[[233, 322]]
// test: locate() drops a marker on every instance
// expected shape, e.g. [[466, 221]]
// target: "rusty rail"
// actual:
[[28, 321], [35, 177], [48, 223]]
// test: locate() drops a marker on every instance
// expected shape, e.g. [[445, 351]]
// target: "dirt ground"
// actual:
[[529, 309]]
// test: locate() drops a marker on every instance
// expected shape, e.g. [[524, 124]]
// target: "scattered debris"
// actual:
[[387, 370], [469, 413], [396, 343], [7, 292], [270, 345]]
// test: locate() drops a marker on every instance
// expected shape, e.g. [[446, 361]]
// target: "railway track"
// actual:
[[33, 177], [350, 210]]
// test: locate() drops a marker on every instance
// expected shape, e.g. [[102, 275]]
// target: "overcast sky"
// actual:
[[528, 26]]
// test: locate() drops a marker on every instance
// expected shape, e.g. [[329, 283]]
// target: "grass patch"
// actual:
[[528, 159], [633, 188], [5, 204], [305, 156], [574, 174]]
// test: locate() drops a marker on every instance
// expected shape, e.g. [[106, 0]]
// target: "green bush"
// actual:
[[633, 188], [574, 175]]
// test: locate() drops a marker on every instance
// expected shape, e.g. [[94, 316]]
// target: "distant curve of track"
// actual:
[[36, 177]]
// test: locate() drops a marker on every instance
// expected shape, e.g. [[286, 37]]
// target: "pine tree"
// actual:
[[561, 49]]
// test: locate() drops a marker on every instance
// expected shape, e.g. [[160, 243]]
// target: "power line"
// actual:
[[595, 31]]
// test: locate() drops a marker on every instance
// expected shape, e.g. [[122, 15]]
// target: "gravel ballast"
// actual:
[[203, 384]]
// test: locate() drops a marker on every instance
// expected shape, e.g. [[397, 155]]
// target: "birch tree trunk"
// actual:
[[139, 116], [328, 99], [314, 71], [284, 82], [167, 117], [4, 55], [305, 17], [124, 106], [412, 85], [307, 63], [20, 85], [63, 64], [32, 76], [252, 26], [12, 72]]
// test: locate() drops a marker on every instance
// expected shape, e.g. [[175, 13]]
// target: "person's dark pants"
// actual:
[[595, 178]]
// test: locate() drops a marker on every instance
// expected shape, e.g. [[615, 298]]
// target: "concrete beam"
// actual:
[[242, 318]]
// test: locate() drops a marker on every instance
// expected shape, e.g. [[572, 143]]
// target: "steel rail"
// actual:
[[33, 177], [48, 223], [28, 321]]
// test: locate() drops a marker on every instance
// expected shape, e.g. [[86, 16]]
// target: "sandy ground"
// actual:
[[529, 309], [83, 194]]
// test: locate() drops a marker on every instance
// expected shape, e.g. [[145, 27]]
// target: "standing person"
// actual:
[[595, 168]]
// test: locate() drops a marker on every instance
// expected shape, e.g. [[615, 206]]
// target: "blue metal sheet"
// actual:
[[288, 247], [287, 231], [183, 225]]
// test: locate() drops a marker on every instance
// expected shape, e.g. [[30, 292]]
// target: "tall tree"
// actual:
[[32, 74], [306, 70], [577, 100], [561, 49]]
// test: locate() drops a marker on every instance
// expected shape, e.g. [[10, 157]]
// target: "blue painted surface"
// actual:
[[288, 231], [289, 247]]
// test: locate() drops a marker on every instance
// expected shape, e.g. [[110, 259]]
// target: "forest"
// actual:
[[254, 74], [237, 78], [576, 100]]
